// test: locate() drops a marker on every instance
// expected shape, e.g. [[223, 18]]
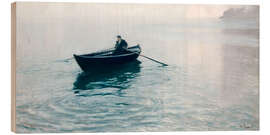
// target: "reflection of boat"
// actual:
[[106, 59], [118, 77]]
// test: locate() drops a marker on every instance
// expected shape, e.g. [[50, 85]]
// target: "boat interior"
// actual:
[[109, 52]]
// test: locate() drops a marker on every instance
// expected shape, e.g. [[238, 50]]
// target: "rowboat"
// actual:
[[106, 60]]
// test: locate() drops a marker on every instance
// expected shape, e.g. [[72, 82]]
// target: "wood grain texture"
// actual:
[[13, 67]]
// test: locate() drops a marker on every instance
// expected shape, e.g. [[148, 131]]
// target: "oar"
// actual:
[[68, 59], [148, 58]]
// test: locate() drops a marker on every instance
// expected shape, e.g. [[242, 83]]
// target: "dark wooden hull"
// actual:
[[120, 75], [106, 61]]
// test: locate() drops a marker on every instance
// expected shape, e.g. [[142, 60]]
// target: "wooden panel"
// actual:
[[13, 67]]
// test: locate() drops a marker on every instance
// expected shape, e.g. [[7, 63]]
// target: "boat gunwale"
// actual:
[[113, 56]]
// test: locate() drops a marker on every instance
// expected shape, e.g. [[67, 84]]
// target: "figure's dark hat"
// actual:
[[118, 36]]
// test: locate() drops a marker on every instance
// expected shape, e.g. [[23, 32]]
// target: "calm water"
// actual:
[[211, 83]]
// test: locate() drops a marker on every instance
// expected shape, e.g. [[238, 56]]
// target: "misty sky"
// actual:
[[108, 12]]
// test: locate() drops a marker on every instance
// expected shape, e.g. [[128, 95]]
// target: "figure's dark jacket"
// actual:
[[123, 44]]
